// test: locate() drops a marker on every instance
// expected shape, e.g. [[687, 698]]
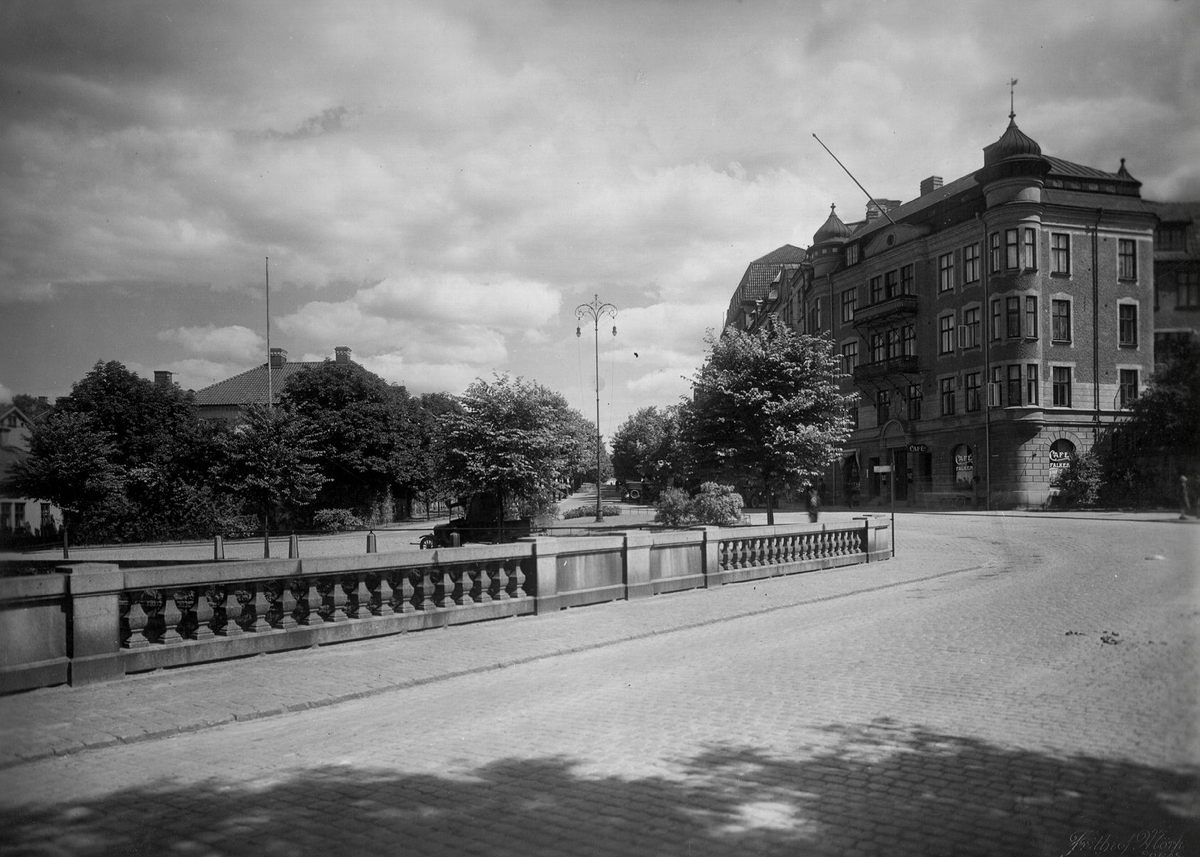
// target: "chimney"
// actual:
[[876, 206], [931, 184], [278, 357], [162, 378], [341, 354]]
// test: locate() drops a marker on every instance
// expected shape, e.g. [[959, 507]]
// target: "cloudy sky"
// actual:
[[439, 185]]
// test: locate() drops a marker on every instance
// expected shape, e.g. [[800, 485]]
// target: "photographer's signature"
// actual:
[[1144, 843]]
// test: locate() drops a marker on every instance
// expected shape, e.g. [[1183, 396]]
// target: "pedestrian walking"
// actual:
[[812, 503], [1185, 500]]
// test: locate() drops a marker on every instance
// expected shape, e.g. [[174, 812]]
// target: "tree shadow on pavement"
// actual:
[[878, 788]]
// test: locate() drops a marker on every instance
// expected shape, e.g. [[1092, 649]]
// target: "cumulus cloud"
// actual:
[[439, 185], [234, 342]]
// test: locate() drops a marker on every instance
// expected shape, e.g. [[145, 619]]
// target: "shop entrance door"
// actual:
[[900, 471]]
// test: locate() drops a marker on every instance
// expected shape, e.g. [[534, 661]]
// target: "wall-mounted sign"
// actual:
[[964, 464], [883, 468], [918, 447]]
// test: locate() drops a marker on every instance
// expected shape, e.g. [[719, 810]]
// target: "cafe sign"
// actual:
[[1060, 459]]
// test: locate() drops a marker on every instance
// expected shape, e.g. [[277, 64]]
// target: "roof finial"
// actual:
[[832, 207], [1012, 111]]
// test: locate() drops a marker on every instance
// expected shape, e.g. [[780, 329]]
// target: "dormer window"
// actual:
[[852, 254]]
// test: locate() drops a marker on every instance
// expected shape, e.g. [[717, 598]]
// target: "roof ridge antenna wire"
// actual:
[[870, 198]]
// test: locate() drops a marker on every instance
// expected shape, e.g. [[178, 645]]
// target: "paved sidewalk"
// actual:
[[65, 720]]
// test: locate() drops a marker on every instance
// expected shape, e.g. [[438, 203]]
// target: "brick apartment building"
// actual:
[[995, 327]]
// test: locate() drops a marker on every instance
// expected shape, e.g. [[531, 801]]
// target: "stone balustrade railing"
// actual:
[[97, 621]]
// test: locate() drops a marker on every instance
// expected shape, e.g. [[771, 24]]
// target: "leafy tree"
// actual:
[[270, 461], [368, 437], [645, 447], [1167, 415], [511, 439], [167, 454], [70, 464], [582, 466], [766, 407]]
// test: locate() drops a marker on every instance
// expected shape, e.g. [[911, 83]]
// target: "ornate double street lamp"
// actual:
[[597, 311]]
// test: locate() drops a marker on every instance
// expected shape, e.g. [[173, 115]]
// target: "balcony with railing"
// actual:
[[886, 310], [892, 366]]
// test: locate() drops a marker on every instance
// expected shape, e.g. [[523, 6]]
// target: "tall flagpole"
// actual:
[[270, 380]]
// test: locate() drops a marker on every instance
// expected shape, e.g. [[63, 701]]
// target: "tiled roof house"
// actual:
[[224, 400]]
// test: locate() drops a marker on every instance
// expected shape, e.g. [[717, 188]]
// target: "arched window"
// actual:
[[1062, 453]]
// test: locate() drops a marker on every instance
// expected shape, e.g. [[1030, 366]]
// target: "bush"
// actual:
[[717, 505], [674, 508], [1080, 483], [608, 510], [714, 505], [336, 520]]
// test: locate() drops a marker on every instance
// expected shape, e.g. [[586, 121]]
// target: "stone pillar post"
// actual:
[[711, 556], [94, 633], [545, 580]]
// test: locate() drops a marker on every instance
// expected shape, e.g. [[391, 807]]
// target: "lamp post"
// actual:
[[597, 311]]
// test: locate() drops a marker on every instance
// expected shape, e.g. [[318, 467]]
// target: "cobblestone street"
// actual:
[[1004, 686]]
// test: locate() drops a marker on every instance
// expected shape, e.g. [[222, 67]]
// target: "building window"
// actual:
[[906, 280], [1187, 290], [995, 253], [1127, 259], [969, 337], [946, 334], [1060, 253], [971, 263], [5, 514], [1031, 317], [1061, 382], [883, 407], [877, 346], [889, 284], [1170, 237], [850, 357], [1012, 259], [849, 303], [1129, 386], [893, 343], [946, 385], [908, 336], [1030, 249], [1127, 325], [995, 319], [852, 255], [915, 397], [18, 515], [945, 272], [1060, 321], [995, 393], [876, 289], [1031, 384], [816, 316], [972, 389], [1014, 385], [1012, 317]]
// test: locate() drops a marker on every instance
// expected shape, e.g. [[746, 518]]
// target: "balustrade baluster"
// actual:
[[333, 600], [306, 602], [478, 592], [180, 616], [414, 588], [123, 630], [439, 584], [281, 604], [253, 618], [493, 584], [202, 615], [358, 597], [518, 581], [151, 602], [769, 547], [401, 590], [375, 584], [220, 622]]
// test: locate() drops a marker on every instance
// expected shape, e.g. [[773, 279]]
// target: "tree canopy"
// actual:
[[766, 407], [512, 438], [366, 434], [645, 447]]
